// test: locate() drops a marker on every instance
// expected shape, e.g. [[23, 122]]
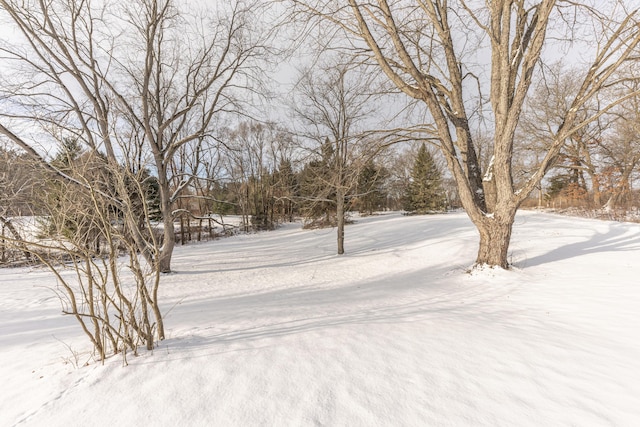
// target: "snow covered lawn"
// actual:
[[273, 329]]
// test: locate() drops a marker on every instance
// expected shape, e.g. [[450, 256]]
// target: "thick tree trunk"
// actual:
[[620, 191], [495, 236], [163, 261], [166, 250]]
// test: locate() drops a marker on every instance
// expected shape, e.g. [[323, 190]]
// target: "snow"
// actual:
[[275, 329]]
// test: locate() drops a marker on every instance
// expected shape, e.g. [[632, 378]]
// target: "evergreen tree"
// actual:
[[317, 187], [371, 194], [424, 192], [151, 188], [285, 190], [69, 153]]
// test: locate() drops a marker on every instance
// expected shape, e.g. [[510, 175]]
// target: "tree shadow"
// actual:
[[615, 239], [242, 322], [302, 248]]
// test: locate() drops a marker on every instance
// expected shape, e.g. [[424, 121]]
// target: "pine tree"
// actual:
[[370, 192], [286, 183], [317, 188], [70, 151], [424, 192]]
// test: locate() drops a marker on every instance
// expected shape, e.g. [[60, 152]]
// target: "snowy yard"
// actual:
[[274, 329]]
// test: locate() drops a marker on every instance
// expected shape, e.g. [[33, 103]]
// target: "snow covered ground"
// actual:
[[273, 329]]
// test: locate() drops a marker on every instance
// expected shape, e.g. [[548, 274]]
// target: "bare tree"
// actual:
[[542, 114], [333, 103], [620, 148], [600, 157], [18, 180], [136, 80], [431, 51], [81, 228], [254, 152]]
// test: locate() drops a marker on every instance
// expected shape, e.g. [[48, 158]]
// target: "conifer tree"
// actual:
[[424, 192], [370, 192], [286, 188], [317, 187]]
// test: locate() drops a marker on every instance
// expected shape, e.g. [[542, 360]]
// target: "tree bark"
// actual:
[[340, 219], [595, 184], [495, 237], [166, 250], [163, 258]]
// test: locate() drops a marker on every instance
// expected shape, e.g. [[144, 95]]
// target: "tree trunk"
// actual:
[[340, 219], [166, 250], [156, 308], [621, 190], [3, 257], [19, 242], [597, 194], [163, 258], [495, 236]]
